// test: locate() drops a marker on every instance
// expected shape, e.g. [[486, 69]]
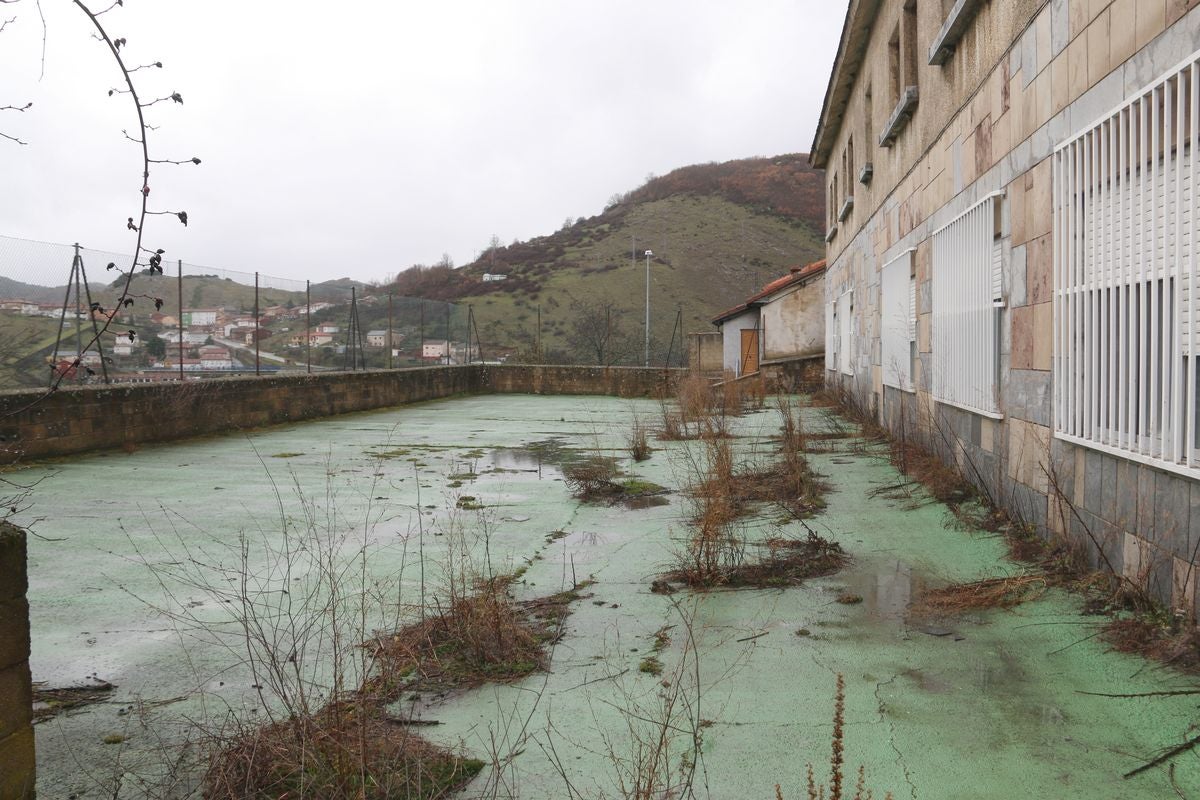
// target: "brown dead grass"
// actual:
[[1155, 638], [346, 751], [481, 638], [352, 749], [1006, 592]]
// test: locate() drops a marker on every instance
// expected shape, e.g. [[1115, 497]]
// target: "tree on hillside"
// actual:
[[597, 334]]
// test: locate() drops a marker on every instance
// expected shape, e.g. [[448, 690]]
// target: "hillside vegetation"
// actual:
[[718, 233]]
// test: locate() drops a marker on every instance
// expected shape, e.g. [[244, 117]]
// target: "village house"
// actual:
[[214, 357], [19, 306], [377, 338], [1010, 241], [778, 328], [200, 317]]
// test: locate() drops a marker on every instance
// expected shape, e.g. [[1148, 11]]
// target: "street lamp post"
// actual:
[[648, 254]]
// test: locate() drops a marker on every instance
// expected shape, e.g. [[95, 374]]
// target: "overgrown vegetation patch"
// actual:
[[343, 751], [598, 479], [485, 637], [788, 562]]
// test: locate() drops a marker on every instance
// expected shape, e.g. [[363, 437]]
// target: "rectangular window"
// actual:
[[898, 307], [845, 320], [831, 331], [966, 290], [1127, 316]]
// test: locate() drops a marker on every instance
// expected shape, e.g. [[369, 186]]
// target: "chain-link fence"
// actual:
[[59, 317]]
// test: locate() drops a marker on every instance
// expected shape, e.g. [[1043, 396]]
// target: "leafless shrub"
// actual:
[[637, 441]]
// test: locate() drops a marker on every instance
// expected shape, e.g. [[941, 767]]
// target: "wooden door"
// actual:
[[749, 351]]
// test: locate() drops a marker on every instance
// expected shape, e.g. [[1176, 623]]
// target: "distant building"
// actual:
[[436, 349], [200, 317], [379, 338], [492, 277], [213, 357]]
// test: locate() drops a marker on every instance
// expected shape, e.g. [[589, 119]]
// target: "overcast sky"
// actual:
[[358, 138]]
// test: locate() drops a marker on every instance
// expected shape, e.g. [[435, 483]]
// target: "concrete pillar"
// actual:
[[16, 691]]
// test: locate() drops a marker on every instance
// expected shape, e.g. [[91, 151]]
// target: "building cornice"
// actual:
[[856, 33]]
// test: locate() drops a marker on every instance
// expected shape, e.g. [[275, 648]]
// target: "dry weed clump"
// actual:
[[478, 638], [700, 409], [591, 478], [350, 751], [1005, 592], [638, 441], [715, 552], [788, 562], [597, 479]]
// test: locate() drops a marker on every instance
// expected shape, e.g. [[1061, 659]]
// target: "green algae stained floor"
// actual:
[[986, 706]]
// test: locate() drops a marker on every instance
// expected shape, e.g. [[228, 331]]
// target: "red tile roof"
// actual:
[[795, 275]]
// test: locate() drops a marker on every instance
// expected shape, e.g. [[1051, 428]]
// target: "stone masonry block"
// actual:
[[17, 765], [16, 699], [1122, 30], [1145, 515], [1039, 199], [1022, 326], [14, 632], [1135, 559], [13, 575], [1098, 47], [1108, 488], [1183, 587], [1027, 395], [1172, 514], [1039, 270], [1060, 26], [1151, 19], [1093, 481], [1043, 335], [1127, 494]]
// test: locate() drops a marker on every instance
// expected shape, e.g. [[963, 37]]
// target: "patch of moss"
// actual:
[[650, 665]]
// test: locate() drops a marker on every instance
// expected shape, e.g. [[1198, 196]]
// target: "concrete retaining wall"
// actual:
[[81, 419], [16, 700], [612, 381]]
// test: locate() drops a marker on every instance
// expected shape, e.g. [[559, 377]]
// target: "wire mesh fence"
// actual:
[[58, 320]]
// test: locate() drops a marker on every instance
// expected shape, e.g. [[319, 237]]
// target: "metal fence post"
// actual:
[[256, 326], [388, 338], [179, 292], [308, 326]]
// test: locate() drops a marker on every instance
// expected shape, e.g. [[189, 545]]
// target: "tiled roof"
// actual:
[[795, 275]]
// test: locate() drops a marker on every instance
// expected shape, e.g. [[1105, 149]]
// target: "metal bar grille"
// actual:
[[1125, 308], [898, 321], [964, 310], [845, 313]]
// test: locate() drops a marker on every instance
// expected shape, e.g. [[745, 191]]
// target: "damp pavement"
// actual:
[[984, 705]]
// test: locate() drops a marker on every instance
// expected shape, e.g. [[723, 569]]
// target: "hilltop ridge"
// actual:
[[717, 231]]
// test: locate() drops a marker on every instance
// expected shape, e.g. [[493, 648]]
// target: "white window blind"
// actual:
[[966, 277], [1127, 318], [831, 335], [898, 307], [845, 313]]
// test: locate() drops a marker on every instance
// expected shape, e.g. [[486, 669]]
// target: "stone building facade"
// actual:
[[1010, 251]]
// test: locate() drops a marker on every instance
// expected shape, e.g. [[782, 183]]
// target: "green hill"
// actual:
[[718, 233]]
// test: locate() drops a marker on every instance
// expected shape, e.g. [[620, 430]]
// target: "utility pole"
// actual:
[[648, 254]]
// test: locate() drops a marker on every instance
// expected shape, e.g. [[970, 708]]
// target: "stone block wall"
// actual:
[[16, 700], [81, 419], [704, 352], [1026, 78], [549, 379]]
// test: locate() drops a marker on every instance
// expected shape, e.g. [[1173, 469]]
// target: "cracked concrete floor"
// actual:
[[985, 706]]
